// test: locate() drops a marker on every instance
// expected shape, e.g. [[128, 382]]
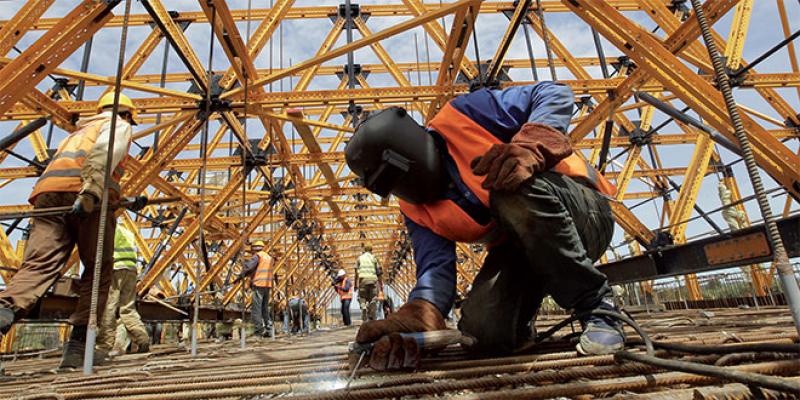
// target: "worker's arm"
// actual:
[[346, 286], [503, 112], [93, 171], [249, 267], [378, 270], [435, 258]]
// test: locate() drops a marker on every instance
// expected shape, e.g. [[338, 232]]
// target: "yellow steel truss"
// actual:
[[300, 190]]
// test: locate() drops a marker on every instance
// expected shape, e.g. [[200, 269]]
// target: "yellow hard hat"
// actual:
[[258, 243], [125, 103]]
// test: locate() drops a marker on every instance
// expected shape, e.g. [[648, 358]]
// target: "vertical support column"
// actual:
[[87, 53], [346, 11]]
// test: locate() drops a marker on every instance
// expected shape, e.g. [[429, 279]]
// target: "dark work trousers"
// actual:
[[298, 310], [556, 229], [50, 243], [346, 312], [367, 290], [260, 310]]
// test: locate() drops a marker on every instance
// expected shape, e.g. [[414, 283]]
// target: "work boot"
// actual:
[[74, 349], [601, 334], [141, 348], [6, 320], [73, 356]]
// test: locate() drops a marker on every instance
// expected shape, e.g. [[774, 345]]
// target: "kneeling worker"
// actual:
[[74, 176], [541, 207]]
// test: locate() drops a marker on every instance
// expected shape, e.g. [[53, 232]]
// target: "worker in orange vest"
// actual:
[[74, 177], [493, 166], [344, 289], [259, 268]]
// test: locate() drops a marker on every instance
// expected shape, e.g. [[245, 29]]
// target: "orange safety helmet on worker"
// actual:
[[63, 173], [393, 161]]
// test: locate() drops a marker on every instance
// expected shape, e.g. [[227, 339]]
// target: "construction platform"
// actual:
[[316, 367]]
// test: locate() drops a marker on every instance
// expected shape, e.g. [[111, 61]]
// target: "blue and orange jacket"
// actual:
[[467, 127]]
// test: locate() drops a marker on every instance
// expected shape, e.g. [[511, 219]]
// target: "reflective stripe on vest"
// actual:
[[263, 275], [63, 173], [466, 140], [344, 294], [124, 250], [366, 266]]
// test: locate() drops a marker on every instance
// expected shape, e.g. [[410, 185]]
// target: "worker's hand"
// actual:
[[84, 204], [135, 203], [535, 148], [390, 350]]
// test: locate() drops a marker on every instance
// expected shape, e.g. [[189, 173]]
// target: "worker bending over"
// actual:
[[259, 268], [493, 166], [368, 273], [298, 312], [74, 176], [122, 298], [345, 291]]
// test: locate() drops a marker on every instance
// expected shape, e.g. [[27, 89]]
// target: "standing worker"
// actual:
[[368, 273], [345, 291], [259, 269], [74, 176], [122, 297], [493, 166], [380, 300]]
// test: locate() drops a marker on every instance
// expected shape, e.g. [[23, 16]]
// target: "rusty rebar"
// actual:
[[617, 385]]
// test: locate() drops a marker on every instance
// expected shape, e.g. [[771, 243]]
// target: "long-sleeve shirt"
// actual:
[[93, 170], [250, 266], [344, 287], [502, 113]]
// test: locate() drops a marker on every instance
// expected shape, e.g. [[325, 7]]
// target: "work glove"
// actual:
[[390, 350], [535, 148], [135, 203], [84, 204]]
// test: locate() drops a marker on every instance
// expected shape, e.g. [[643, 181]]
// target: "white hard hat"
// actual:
[[341, 273]]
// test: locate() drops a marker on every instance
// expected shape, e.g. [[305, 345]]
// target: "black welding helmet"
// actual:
[[393, 154]]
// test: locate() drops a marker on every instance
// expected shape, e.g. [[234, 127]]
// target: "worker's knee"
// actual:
[[535, 198]]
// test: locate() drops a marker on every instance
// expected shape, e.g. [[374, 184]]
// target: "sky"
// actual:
[[298, 40]]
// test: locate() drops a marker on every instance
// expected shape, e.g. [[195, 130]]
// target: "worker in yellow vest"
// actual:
[[74, 177], [368, 273], [122, 298], [259, 268]]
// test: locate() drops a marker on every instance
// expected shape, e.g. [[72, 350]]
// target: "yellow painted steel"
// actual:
[[664, 63]]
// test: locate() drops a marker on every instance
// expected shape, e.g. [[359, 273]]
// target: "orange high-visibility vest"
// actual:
[[263, 276], [63, 174], [466, 140], [344, 294]]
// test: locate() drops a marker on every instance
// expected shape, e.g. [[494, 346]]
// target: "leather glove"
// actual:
[[84, 204], [390, 350], [136, 203], [535, 148]]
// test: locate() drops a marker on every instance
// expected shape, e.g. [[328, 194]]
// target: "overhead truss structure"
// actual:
[[648, 115]]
